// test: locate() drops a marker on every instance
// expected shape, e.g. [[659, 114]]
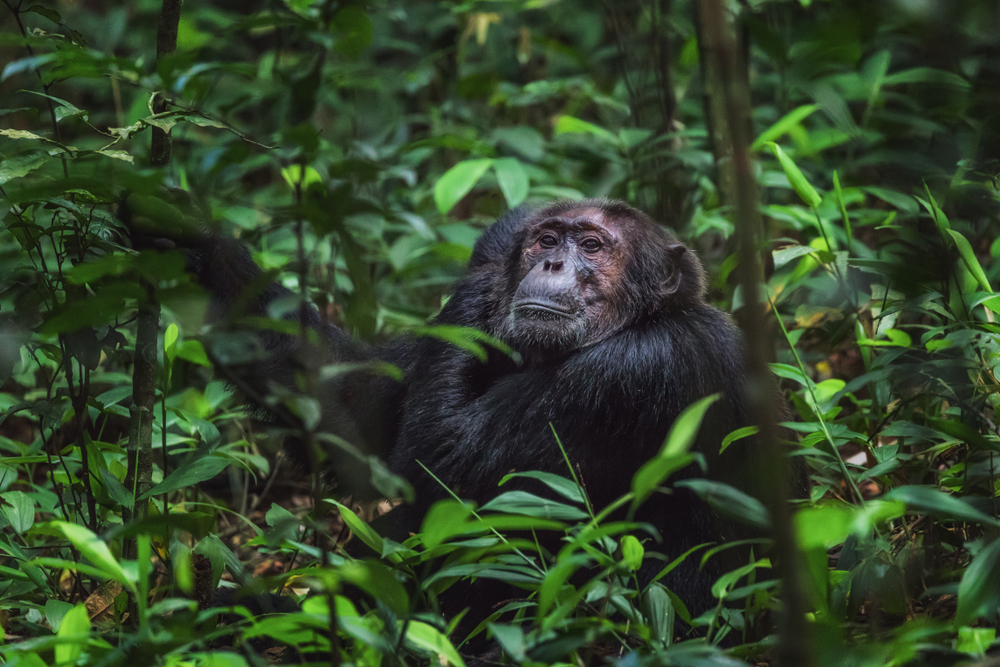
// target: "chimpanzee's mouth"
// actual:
[[529, 306]]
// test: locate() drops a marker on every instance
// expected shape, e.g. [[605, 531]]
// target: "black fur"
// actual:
[[650, 347]]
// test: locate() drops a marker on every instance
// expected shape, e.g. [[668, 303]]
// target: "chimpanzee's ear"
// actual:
[[675, 274]]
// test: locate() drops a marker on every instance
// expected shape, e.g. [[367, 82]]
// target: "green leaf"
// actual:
[[468, 339], [556, 578], [799, 183], [566, 488], [927, 75], [445, 519], [822, 526], [513, 180], [965, 433], [73, 635], [653, 472], [658, 608], [93, 549], [360, 528], [222, 659], [843, 209], [785, 255], [939, 216], [783, 126], [730, 501], [738, 434], [22, 165], [684, 430], [376, 579], [975, 641], [55, 611], [19, 510], [428, 637], [632, 552], [511, 640], [979, 589], [971, 263], [188, 474], [458, 181], [170, 337], [116, 489], [571, 125], [194, 351], [522, 502], [937, 503], [355, 31]]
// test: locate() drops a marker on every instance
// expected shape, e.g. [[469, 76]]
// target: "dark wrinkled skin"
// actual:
[[606, 309]]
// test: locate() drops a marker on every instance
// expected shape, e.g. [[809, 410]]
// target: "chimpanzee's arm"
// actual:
[[266, 363]]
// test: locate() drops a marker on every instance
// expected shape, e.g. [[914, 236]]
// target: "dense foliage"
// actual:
[[361, 148]]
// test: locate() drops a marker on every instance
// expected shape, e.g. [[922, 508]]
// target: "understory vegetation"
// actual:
[[360, 148]]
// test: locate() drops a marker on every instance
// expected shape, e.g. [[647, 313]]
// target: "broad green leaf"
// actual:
[[979, 589], [378, 580], [194, 351], [21, 165], [572, 125], [73, 635], [522, 502], [189, 474], [360, 528], [975, 640], [940, 504], [632, 552], [783, 256], [445, 519], [295, 177], [94, 549], [927, 75], [965, 433], [823, 525], [658, 608], [730, 501], [971, 263], [555, 578], [19, 510], [223, 659], [511, 640], [170, 337], [513, 180], [653, 472], [109, 265], [458, 181], [182, 568], [55, 611], [354, 31], [566, 488], [802, 188], [428, 637], [784, 124]]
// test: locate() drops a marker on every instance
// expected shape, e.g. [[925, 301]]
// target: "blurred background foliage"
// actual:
[[398, 130]]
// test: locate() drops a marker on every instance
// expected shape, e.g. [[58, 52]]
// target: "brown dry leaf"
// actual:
[[809, 317], [100, 604]]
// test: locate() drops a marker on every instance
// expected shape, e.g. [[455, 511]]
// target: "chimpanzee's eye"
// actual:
[[548, 241], [591, 245]]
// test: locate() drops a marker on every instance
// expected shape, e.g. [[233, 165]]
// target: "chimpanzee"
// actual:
[[607, 312]]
